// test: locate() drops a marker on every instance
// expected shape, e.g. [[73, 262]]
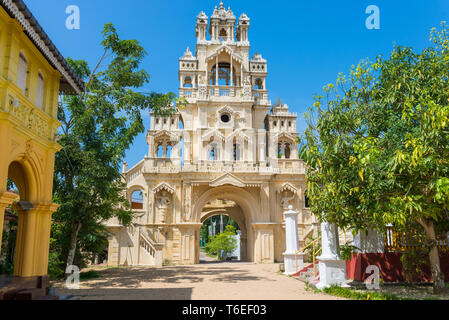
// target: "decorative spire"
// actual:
[[188, 55]]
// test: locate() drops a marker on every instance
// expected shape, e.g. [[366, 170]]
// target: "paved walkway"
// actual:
[[206, 281]]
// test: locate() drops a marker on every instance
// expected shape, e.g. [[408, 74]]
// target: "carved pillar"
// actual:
[[187, 148], [33, 240], [187, 207], [228, 148], [150, 205]]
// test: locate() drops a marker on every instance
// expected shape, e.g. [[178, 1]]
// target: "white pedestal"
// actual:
[[332, 272], [332, 269], [291, 266], [291, 243]]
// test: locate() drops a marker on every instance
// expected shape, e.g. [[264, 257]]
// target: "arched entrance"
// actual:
[[243, 213], [223, 207]]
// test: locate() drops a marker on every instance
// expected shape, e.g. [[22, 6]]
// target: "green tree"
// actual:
[[204, 231], [98, 126], [223, 242], [378, 151]]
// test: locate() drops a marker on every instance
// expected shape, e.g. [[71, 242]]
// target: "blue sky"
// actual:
[[306, 43]]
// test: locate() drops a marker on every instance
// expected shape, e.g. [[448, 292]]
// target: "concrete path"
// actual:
[[206, 281]]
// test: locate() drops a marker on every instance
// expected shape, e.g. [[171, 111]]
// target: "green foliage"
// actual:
[[355, 295], [377, 143], [412, 264], [98, 127], [204, 231], [222, 242], [8, 246], [346, 251]]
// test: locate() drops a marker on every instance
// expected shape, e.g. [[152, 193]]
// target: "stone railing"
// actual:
[[26, 114], [135, 172], [219, 93], [284, 166]]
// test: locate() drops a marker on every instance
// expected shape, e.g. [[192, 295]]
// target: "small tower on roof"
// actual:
[[201, 26], [242, 29], [222, 24], [188, 70]]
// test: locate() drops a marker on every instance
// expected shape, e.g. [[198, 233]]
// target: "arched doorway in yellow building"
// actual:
[[29, 166]]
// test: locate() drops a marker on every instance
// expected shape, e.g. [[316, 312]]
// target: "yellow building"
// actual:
[[32, 74]]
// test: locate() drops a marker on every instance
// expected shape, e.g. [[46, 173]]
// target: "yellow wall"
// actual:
[[27, 145], [14, 41]]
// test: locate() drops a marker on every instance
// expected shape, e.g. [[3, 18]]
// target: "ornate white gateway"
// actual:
[[229, 151]]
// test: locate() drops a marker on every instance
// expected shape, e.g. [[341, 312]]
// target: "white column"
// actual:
[[216, 71], [332, 269], [232, 74], [293, 260], [262, 146]]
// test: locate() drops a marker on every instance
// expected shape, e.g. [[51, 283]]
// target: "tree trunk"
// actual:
[[435, 267], [73, 240]]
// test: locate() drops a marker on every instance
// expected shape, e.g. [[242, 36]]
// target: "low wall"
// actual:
[[390, 266]]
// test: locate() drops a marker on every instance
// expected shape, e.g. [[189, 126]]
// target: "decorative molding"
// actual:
[[228, 179], [213, 133], [164, 187], [287, 187]]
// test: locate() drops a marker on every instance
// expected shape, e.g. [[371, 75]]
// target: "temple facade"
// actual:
[[229, 151]]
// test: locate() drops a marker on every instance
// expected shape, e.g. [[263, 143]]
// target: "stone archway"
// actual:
[[249, 209], [237, 215]]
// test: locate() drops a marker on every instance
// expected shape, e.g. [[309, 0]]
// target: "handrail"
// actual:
[[315, 253]]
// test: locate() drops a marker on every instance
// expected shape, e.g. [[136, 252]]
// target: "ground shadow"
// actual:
[[131, 294]]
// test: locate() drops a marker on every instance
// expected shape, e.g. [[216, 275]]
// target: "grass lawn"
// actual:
[[386, 292]]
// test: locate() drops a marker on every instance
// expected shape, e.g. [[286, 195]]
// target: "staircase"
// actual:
[[308, 274], [147, 251]]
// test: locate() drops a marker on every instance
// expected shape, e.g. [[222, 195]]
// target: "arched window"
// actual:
[[137, 200], [236, 152], [287, 151], [258, 84], [160, 151], [169, 152], [188, 82], [223, 35], [40, 91], [22, 73], [306, 200], [280, 151], [224, 74], [213, 154]]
